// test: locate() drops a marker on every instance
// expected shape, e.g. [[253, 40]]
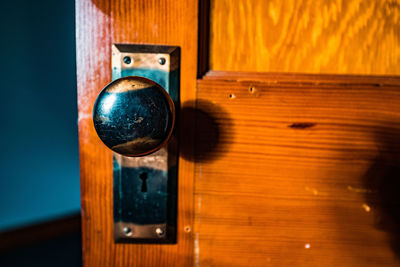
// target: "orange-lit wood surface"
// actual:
[[99, 25], [324, 36], [290, 170], [305, 171]]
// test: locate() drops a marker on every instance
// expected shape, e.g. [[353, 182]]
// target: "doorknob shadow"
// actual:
[[383, 183], [205, 131]]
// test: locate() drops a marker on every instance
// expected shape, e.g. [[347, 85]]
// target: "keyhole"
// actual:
[[143, 176]]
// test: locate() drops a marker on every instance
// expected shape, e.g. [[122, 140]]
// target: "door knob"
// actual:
[[134, 116]]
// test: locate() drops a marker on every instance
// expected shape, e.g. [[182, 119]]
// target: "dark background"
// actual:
[[39, 138], [39, 163]]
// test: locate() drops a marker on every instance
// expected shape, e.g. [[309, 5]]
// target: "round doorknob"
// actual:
[[134, 116]]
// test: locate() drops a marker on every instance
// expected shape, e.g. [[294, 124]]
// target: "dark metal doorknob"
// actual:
[[134, 116]]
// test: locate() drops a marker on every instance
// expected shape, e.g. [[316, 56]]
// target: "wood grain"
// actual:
[[99, 24], [307, 36], [291, 170], [304, 175]]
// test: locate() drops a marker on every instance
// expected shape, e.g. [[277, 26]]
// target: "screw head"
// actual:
[[127, 231], [162, 60], [159, 231], [127, 60]]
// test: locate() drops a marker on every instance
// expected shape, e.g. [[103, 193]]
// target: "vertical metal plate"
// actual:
[[145, 188]]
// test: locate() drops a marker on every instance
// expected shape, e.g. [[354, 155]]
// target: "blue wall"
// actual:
[[39, 165]]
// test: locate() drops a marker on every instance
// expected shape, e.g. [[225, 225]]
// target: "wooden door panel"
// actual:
[[289, 169], [307, 36], [300, 178]]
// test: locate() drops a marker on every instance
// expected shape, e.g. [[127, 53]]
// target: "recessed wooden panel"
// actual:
[[307, 36], [304, 173]]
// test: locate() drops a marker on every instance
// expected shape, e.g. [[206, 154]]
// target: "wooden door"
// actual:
[[276, 168]]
